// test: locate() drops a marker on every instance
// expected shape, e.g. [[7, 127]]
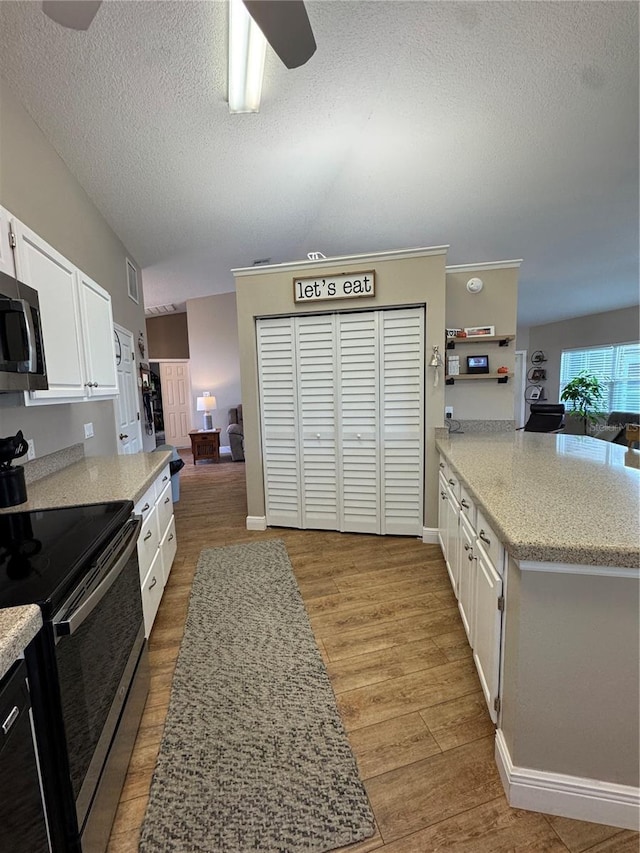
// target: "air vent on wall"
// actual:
[[160, 309], [261, 261]]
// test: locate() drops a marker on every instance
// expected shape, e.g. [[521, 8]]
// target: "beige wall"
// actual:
[[408, 281], [215, 354], [562, 630], [37, 188], [168, 336], [496, 305], [608, 327]]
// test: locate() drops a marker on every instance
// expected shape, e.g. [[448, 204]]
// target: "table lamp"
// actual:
[[207, 404]]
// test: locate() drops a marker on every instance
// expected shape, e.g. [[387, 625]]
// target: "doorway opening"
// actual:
[[156, 402]]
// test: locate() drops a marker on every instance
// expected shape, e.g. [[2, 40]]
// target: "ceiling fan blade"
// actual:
[[285, 25], [74, 14]]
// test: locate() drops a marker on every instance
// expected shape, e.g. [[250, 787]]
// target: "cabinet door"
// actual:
[[41, 267], [487, 625], [453, 541], [6, 254], [466, 577], [98, 339], [442, 516]]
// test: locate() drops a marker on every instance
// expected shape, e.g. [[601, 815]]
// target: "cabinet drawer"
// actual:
[[145, 504], [489, 542], [164, 510], [168, 548], [467, 506], [161, 481], [148, 542], [151, 589]]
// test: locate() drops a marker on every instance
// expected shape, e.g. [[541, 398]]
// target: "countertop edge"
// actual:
[[18, 626], [521, 549]]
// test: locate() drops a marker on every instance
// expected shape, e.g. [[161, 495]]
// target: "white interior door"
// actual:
[[127, 408], [317, 407], [358, 406], [402, 421], [279, 407], [342, 408], [176, 402]]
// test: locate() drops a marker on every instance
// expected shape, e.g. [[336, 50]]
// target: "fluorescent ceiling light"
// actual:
[[247, 48]]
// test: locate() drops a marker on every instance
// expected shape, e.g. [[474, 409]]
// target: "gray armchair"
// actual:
[[235, 431]]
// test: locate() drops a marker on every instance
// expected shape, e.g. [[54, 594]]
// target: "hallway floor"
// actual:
[[387, 626]]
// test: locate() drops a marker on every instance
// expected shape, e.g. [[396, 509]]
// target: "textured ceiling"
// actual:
[[506, 129]]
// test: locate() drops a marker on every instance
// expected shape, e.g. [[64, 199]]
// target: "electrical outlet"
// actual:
[[31, 452], [448, 411], [88, 430]]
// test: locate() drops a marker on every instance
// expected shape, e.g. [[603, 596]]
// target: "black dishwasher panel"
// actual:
[[22, 821]]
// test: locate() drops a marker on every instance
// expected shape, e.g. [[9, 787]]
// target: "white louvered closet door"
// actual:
[[317, 410], [279, 413], [358, 405], [402, 420]]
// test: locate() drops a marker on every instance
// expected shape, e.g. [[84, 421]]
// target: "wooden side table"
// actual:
[[205, 444]]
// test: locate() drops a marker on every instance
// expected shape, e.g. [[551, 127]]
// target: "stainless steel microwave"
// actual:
[[22, 364]]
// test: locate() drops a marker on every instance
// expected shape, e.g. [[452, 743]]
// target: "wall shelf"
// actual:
[[503, 340], [501, 378]]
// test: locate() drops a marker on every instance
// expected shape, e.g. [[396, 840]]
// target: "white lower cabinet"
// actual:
[[466, 577], [156, 544], [487, 626], [474, 558]]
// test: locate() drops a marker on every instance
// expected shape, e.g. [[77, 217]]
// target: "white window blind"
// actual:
[[617, 367]]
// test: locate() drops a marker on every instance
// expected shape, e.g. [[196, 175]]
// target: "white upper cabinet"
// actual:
[[40, 266], [6, 254], [97, 332], [77, 323]]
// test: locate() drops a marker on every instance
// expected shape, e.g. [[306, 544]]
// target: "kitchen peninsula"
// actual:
[[558, 546]]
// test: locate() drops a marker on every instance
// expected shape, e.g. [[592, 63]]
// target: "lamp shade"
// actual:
[[206, 404]]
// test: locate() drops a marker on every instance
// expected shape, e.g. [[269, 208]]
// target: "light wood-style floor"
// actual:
[[387, 626]]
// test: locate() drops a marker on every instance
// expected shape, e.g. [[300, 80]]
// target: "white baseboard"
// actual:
[[430, 536], [256, 522], [567, 796]]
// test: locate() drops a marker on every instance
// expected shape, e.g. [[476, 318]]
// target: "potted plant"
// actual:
[[585, 394]]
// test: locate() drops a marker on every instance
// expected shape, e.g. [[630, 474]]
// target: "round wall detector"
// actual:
[[475, 285]]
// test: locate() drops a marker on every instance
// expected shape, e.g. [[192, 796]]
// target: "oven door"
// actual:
[[99, 638]]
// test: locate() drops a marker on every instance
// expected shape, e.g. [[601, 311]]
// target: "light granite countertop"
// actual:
[[18, 626], [553, 498], [95, 479]]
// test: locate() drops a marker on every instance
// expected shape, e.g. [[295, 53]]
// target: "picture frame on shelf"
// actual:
[[480, 331]]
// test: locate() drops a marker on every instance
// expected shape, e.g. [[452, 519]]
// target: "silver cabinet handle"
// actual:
[[153, 583], [471, 556], [167, 499], [484, 538], [148, 536], [145, 508], [170, 538], [452, 482], [13, 716], [467, 547], [464, 504], [165, 478], [442, 464], [444, 495]]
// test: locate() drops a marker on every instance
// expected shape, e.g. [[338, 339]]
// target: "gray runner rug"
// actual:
[[254, 756]]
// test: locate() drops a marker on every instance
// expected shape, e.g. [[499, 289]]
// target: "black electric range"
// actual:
[[87, 667], [43, 551]]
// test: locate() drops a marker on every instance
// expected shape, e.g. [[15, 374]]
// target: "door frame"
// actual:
[[136, 389], [519, 381]]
